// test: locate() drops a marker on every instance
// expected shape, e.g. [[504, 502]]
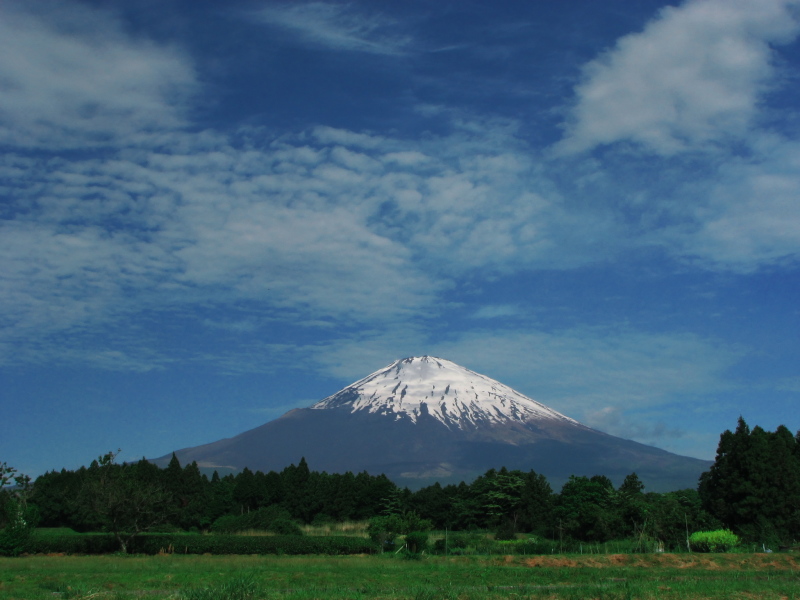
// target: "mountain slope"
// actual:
[[425, 419], [454, 396]]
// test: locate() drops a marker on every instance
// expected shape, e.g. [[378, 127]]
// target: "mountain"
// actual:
[[426, 419]]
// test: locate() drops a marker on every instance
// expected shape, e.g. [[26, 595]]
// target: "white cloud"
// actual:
[[693, 78], [497, 311], [751, 217], [578, 371], [70, 77], [329, 224], [307, 224], [331, 135], [337, 26], [581, 369]]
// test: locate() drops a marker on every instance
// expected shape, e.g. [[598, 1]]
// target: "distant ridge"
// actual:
[[425, 419]]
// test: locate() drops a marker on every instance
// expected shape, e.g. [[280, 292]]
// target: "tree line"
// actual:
[[752, 488]]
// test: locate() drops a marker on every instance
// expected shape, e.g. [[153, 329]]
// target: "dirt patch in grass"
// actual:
[[551, 561]]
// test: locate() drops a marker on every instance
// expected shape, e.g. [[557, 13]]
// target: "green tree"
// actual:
[[584, 510], [753, 487], [17, 517], [54, 496], [504, 497], [123, 499], [537, 503], [632, 510]]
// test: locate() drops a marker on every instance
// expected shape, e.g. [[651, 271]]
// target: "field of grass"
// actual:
[[645, 576]]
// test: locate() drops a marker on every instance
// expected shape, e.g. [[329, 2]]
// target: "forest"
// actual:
[[753, 489]]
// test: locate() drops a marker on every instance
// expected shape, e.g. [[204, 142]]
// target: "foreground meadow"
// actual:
[[662, 576]]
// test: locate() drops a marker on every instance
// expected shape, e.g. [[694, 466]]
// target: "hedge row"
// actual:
[[201, 544]]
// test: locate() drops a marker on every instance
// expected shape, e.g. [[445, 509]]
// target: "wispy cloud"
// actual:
[[71, 77], [686, 101], [346, 228], [748, 216], [338, 26], [692, 79], [497, 311]]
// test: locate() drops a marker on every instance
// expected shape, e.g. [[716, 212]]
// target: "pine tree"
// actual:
[[753, 487]]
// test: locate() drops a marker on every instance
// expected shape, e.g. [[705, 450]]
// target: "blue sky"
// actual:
[[211, 213]]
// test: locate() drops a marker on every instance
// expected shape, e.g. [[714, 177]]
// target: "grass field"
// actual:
[[662, 576]]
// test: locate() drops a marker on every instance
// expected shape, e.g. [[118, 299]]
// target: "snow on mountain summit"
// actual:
[[452, 394]]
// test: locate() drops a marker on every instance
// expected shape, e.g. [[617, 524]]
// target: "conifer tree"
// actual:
[[753, 487]]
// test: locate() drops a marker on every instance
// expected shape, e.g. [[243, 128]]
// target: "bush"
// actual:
[[384, 530], [720, 540], [463, 543], [263, 519], [416, 542], [227, 524], [285, 527], [19, 522], [506, 532]]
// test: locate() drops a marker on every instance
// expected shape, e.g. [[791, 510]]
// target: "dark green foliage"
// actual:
[[384, 530], [89, 543], [584, 510], [461, 543], [155, 543], [187, 500], [537, 502], [18, 522], [17, 517], [506, 531], [753, 487], [285, 527], [54, 494], [502, 497], [416, 542], [125, 500], [269, 518]]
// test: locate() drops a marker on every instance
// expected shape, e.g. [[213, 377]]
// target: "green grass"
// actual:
[[643, 576]]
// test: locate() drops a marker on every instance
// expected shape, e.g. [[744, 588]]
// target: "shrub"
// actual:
[[720, 540], [463, 543], [383, 531], [227, 524], [506, 532], [285, 527], [263, 519], [19, 523], [416, 542]]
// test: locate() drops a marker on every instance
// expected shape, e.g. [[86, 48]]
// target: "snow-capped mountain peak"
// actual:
[[452, 394]]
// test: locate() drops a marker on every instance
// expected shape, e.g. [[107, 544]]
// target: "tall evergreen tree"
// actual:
[[537, 503], [753, 487]]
